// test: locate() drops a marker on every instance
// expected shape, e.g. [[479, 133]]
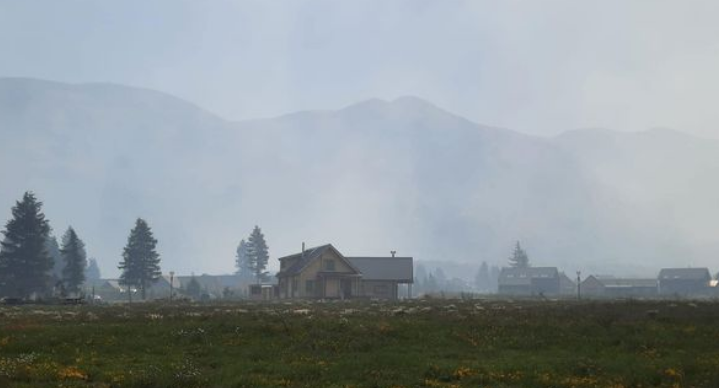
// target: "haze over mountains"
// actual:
[[373, 177]]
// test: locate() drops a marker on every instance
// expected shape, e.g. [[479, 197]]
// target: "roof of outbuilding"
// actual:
[[384, 268], [685, 273]]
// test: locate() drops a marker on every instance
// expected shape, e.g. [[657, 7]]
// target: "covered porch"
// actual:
[[337, 285]]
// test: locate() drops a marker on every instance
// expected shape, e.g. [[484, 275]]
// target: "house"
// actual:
[[529, 281], [684, 281], [610, 287], [567, 286], [162, 288], [382, 276], [324, 273]]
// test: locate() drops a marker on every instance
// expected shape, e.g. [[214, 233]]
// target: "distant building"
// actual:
[[263, 291], [567, 286], [161, 288], [215, 286], [324, 273], [609, 287], [529, 281], [684, 281]]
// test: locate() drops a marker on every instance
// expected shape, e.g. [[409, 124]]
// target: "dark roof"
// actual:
[[685, 273], [524, 276], [304, 258], [384, 268]]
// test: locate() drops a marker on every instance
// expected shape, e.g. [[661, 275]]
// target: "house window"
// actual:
[[329, 265], [310, 286]]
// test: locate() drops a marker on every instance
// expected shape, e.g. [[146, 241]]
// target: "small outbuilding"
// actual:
[[610, 287]]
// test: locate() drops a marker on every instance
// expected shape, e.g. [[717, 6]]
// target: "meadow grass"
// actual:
[[477, 343]]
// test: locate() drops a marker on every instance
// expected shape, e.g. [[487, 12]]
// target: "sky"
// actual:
[[541, 67]]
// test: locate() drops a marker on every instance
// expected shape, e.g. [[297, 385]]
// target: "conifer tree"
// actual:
[[519, 258], [25, 264], [75, 259], [53, 249], [92, 272], [258, 254], [140, 264], [242, 261]]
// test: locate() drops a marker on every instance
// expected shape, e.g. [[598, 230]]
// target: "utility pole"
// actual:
[[579, 285], [172, 281]]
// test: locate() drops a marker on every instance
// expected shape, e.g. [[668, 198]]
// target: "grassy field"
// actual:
[[409, 344]]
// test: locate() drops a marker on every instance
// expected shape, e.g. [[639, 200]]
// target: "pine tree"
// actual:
[[242, 261], [140, 264], [92, 272], [75, 258], [519, 258], [25, 264], [258, 254], [53, 249]]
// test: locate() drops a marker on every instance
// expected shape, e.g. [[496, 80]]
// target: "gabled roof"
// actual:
[[306, 257], [566, 280], [164, 280], [384, 268], [113, 283], [684, 274], [524, 276]]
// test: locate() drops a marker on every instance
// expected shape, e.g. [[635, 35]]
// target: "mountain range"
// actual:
[[372, 177]]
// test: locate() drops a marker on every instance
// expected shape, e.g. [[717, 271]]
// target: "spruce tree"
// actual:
[[258, 254], [75, 259], [53, 249], [242, 261], [519, 258], [25, 264], [140, 264], [92, 272]]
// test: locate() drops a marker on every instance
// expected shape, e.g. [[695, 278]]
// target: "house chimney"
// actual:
[[393, 253], [303, 249]]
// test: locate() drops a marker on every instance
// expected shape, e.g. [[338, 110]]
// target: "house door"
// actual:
[[346, 285]]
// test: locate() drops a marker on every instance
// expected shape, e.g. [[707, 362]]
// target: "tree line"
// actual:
[[34, 266], [486, 279]]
